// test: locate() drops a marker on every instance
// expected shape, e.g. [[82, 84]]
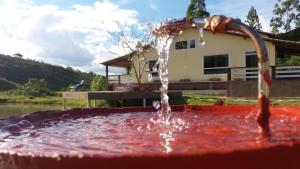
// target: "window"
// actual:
[[251, 62], [251, 59], [181, 45], [216, 64], [192, 43], [185, 44], [151, 67]]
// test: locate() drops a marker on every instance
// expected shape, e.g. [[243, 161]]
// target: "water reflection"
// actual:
[[168, 138]]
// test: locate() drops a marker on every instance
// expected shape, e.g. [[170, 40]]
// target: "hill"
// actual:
[[293, 35], [15, 70]]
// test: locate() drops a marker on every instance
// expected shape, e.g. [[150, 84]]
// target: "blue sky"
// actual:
[[156, 10], [65, 32]]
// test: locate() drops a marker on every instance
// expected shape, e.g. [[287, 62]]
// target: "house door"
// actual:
[[251, 66]]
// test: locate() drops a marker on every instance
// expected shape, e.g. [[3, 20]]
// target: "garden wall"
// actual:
[[279, 88], [181, 86]]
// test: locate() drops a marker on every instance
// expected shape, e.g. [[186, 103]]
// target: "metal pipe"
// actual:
[[222, 24]]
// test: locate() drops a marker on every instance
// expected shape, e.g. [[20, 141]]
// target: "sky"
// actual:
[[72, 33]]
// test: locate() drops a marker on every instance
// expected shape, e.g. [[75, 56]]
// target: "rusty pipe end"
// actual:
[[263, 115]]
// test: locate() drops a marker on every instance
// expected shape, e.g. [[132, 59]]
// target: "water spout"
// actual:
[[221, 23], [163, 46], [200, 23], [201, 41]]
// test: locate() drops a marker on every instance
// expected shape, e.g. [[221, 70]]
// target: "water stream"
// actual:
[[201, 41], [163, 44], [168, 126]]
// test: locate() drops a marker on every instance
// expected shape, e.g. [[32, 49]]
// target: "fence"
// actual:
[[278, 72], [118, 79]]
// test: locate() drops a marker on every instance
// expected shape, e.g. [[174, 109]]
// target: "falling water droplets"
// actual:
[[201, 41], [150, 77], [163, 45], [156, 104]]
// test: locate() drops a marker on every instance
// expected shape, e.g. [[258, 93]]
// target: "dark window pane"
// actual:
[[151, 66], [251, 61], [181, 45], [209, 61], [154, 74], [221, 61], [192, 43], [215, 64], [215, 71], [152, 63]]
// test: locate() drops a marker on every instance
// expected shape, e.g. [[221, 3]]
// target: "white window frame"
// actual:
[[214, 68], [188, 44]]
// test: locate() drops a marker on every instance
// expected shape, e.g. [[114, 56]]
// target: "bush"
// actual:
[[36, 88], [98, 83], [291, 60], [294, 61]]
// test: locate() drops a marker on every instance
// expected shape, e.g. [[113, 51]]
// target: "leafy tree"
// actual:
[[288, 60], [294, 61], [98, 83], [135, 43], [286, 13], [293, 35], [196, 9], [253, 19], [36, 88]]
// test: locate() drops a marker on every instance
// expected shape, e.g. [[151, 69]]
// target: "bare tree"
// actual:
[[135, 41]]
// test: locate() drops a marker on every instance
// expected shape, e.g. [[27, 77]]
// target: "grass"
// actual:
[[274, 101], [196, 99], [6, 98], [191, 99]]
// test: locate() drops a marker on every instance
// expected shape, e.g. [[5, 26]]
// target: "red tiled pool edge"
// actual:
[[279, 157]]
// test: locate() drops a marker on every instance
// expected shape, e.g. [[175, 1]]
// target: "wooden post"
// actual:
[[106, 85], [144, 102], [88, 103], [94, 101], [229, 74], [273, 72], [63, 104], [119, 79]]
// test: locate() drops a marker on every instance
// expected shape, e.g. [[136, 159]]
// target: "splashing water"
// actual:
[[201, 41], [163, 43], [163, 46]]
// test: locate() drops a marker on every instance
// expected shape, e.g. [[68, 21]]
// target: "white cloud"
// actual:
[[68, 37], [265, 24], [153, 4]]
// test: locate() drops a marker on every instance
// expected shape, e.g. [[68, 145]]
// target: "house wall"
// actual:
[[189, 63]]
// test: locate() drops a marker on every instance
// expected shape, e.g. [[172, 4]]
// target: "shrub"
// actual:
[[98, 83], [36, 88]]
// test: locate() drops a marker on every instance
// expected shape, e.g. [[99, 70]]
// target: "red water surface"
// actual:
[[191, 132]]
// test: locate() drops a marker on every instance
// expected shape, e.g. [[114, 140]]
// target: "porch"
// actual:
[[116, 82]]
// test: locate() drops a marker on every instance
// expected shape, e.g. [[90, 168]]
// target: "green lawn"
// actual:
[[196, 99], [191, 99], [6, 98]]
